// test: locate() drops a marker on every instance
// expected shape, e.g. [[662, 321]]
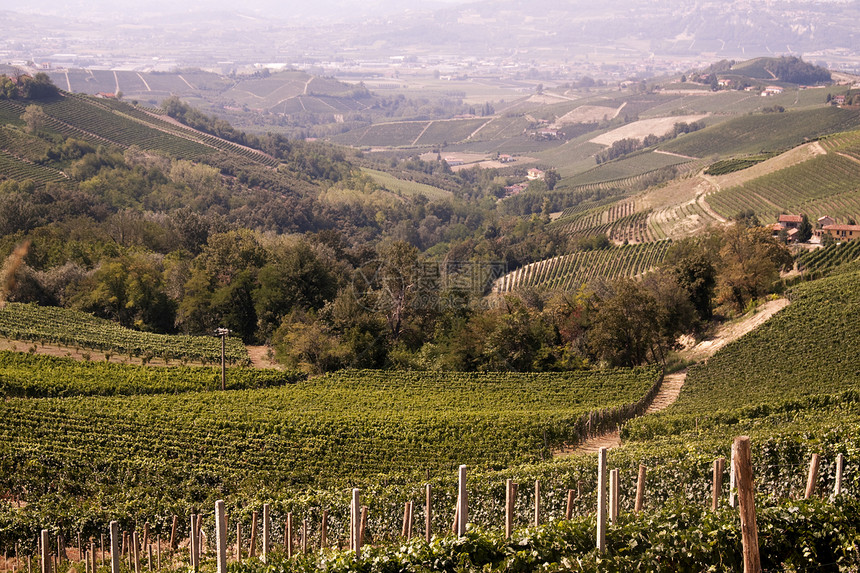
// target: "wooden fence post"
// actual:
[[362, 526], [267, 533], [114, 547], [102, 535], [304, 536], [221, 536], [537, 502], [136, 550], [509, 508], [640, 489], [601, 501], [813, 475], [288, 535], [158, 551], [324, 530], [46, 551], [719, 466], [840, 462], [252, 550], [428, 514], [733, 478], [613, 496], [568, 511], [746, 501], [356, 522], [145, 534], [405, 527], [194, 542], [463, 503], [93, 556], [173, 539], [239, 542], [411, 520]]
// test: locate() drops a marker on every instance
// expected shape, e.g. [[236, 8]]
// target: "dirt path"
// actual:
[[259, 356], [672, 383]]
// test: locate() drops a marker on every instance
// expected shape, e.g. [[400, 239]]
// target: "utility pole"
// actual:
[[223, 333]]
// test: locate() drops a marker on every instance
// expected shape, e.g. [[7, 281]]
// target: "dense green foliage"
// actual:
[[37, 376], [71, 328]]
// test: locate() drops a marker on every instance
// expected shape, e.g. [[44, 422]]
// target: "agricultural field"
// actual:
[[640, 129], [11, 167], [631, 166], [27, 375], [407, 188], [823, 185], [569, 272], [827, 259], [346, 428], [767, 132], [43, 324]]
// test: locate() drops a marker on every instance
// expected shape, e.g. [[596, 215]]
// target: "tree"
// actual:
[[804, 232], [624, 329], [551, 177], [750, 261], [35, 118]]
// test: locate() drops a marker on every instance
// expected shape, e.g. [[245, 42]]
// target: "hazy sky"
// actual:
[[126, 9]]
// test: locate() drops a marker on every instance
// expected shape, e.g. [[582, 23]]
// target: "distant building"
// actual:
[[842, 232], [772, 90], [791, 221], [453, 161], [838, 99], [515, 189], [825, 221], [506, 159], [534, 174]]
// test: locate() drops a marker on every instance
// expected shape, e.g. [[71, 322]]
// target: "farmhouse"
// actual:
[[534, 174], [506, 159], [453, 161], [515, 189], [771, 90], [825, 220], [843, 232], [838, 99], [790, 221]]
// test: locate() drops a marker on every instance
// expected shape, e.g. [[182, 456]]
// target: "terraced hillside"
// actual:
[[569, 272]]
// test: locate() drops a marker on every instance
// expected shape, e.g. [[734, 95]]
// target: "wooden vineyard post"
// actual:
[[158, 551], [92, 556], [746, 501], [405, 528], [304, 537], [362, 526], [46, 551], [719, 466], [135, 551], [114, 547], [145, 534], [601, 501], [239, 542], [252, 550], [220, 537], [462, 502], [194, 541], [411, 519], [288, 535], [537, 502], [813, 475], [149, 557], [80, 549], [733, 485], [355, 523], [568, 510], [640, 489], [428, 514], [102, 535], [613, 496], [173, 527], [840, 463], [267, 523], [324, 530]]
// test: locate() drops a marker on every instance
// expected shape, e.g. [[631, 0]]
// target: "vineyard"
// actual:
[[569, 272], [824, 185], [37, 376], [828, 258], [620, 220], [47, 324], [756, 133]]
